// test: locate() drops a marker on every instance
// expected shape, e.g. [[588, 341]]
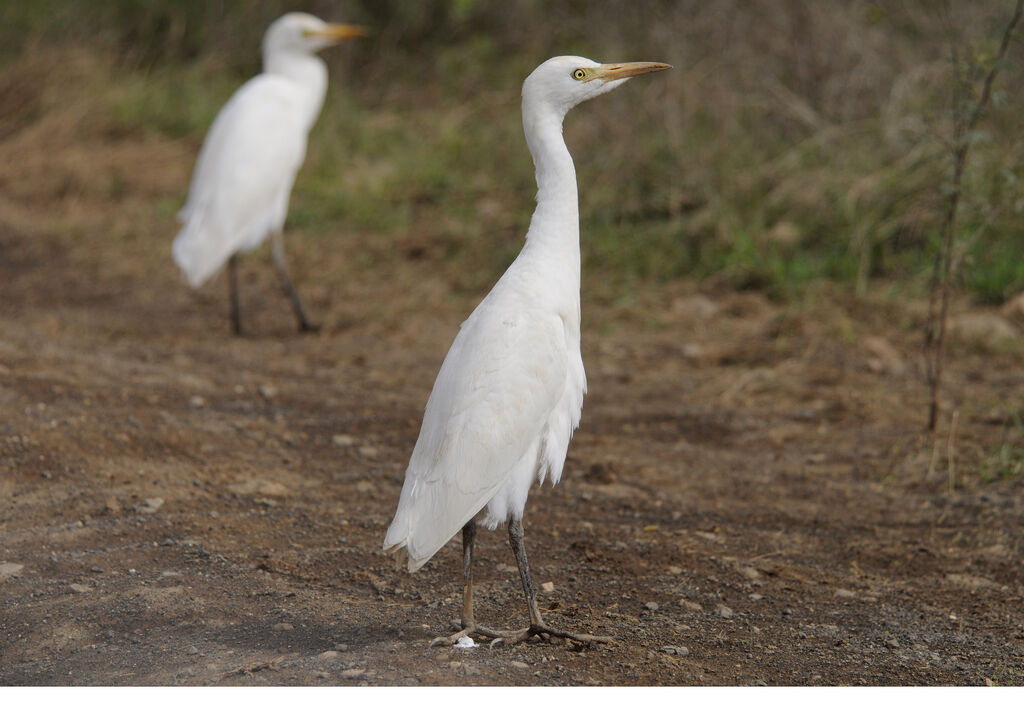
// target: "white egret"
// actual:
[[247, 165], [510, 391]]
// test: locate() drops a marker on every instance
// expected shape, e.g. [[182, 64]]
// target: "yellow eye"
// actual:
[[579, 74]]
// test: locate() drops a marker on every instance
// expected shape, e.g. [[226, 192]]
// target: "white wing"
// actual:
[[243, 177], [502, 377]]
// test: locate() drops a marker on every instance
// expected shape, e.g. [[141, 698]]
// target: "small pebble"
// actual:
[[283, 626], [519, 664], [675, 570], [547, 588], [329, 654], [352, 673], [653, 606], [465, 643], [755, 596], [46, 474], [197, 401], [368, 451], [724, 611], [11, 570], [321, 674], [95, 569], [676, 651], [343, 440], [691, 606], [267, 391], [892, 643], [79, 588], [846, 594]]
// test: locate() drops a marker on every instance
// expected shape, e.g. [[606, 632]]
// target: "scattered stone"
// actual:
[[845, 594], [690, 606], [108, 634], [343, 440], [519, 664], [465, 643], [750, 573], [970, 582], [365, 487], [341, 647], [882, 356], [368, 451], [676, 651], [892, 643], [197, 402], [1014, 308], [79, 588], [695, 306], [352, 673], [112, 506], [151, 506], [283, 626], [329, 654], [547, 588], [755, 596], [267, 391], [675, 570], [95, 569], [725, 612], [600, 473], [986, 330], [191, 651], [9, 570], [321, 674], [46, 474], [653, 606]]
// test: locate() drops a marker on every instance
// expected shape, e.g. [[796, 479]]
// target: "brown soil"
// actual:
[[750, 481]]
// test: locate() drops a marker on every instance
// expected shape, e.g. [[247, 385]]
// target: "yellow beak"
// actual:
[[338, 32], [614, 72]]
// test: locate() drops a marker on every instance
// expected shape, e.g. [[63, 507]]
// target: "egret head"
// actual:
[[563, 82], [301, 32]]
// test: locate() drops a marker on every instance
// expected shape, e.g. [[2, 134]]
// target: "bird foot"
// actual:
[[515, 637], [494, 635], [546, 633]]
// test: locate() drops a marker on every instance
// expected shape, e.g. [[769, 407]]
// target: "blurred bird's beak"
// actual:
[[614, 72], [338, 32]]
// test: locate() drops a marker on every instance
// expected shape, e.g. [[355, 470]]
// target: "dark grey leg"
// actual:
[[468, 536], [236, 310], [277, 253], [515, 539], [537, 624]]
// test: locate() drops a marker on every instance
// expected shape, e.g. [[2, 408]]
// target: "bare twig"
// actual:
[[951, 452], [964, 124]]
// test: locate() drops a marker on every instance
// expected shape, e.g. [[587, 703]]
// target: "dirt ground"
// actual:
[[750, 498]]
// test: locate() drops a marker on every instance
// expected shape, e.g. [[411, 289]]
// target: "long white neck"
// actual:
[[307, 72], [555, 226]]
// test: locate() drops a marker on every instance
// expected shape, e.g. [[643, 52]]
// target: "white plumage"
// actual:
[[510, 391], [244, 174]]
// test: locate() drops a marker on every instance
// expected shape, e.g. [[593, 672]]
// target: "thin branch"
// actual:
[[961, 132]]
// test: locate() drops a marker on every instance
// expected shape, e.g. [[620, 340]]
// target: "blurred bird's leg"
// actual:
[[537, 624], [469, 625], [277, 253], [236, 310]]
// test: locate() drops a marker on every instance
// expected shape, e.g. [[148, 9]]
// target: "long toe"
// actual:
[[496, 637], [544, 630]]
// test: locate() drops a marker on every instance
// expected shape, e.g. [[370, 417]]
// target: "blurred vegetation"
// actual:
[[795, 140]]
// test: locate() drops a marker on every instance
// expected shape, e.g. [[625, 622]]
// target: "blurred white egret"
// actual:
[[247, 165], [510, 392]]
